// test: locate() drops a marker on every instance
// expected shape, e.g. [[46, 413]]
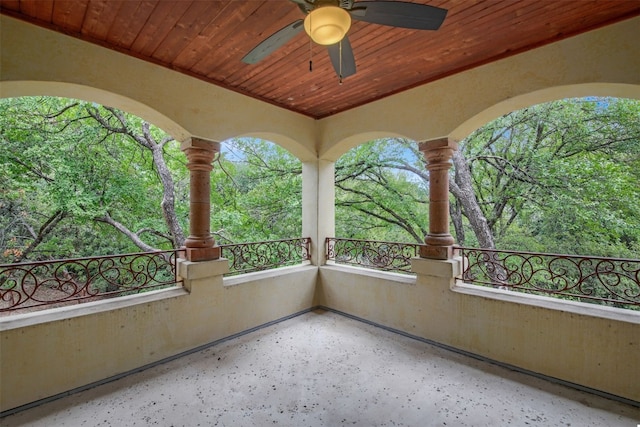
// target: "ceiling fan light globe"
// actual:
[[327, 25]]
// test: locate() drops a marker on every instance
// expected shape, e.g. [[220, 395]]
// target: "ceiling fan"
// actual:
[[328, 21]]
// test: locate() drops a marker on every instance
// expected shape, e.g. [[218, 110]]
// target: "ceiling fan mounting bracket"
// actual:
[[306, 6], [322, 3]]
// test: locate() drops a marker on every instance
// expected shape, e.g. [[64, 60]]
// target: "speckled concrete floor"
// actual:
[[323, 369]]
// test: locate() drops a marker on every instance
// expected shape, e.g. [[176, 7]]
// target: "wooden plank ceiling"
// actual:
[[208, 39]]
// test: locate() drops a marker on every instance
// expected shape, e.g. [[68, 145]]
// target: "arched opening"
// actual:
[[556, 177], [82, 179], [382, 192], [257, 192], [181, 121]]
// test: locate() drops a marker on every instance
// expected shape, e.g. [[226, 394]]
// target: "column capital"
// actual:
[[200, 144], [438, 144], [438, 151], [200, 153]]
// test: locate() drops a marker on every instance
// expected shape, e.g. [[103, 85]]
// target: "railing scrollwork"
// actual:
[[29, 286], [258, 256], [608, 281], [386, 256]]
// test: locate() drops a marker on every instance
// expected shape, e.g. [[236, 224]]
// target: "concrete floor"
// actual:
[[324, 369]]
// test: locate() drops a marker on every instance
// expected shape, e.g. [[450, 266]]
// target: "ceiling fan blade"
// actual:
[[348, 66], [273, 42], [399, 14]]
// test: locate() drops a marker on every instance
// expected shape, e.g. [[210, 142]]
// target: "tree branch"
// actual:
[[124, 230], [46, 228]]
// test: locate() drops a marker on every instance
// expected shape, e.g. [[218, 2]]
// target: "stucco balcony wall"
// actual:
[[48, 353], [51, 352], [583, 344]]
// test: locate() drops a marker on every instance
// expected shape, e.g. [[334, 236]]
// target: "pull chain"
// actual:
[[310, 48], [340, 74], [310, 56]]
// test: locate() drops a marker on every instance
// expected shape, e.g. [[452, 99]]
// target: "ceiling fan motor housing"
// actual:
[[327, 23]]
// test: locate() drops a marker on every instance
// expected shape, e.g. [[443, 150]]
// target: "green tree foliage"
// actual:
[[556, 177], [561, 177], [79, 179], [68, 167], [382, 192], [258, 192]]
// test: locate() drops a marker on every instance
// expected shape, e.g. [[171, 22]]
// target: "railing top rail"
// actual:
[[373, 241], [546, 254], [71, 260]]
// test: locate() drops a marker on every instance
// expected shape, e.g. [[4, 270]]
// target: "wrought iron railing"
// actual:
[[48, 284], [608, 281], [258, 256], [387, 256]]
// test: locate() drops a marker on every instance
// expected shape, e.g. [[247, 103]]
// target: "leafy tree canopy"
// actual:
[[561, 177], [68, 166], [556, 177], [80, 179]]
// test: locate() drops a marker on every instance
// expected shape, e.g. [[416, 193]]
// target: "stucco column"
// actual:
[[200, 245], [439, 242], [318, 206]]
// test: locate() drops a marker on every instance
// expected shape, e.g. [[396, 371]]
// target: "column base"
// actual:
[[203, 241], [439, 239], [437, 252], [202, 254]]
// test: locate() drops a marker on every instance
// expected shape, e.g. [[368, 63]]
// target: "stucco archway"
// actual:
[[15, 89], [542, 96], [353, 141], [34, 58]]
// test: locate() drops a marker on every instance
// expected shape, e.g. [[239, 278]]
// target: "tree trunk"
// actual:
[[147, 141], [462, 189], [168, 197], [456, 217]]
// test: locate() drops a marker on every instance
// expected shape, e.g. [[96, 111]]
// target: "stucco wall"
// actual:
[[43, 354], [591, 346]]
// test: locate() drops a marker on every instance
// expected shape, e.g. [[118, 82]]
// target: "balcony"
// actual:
[[353, 344], [113, 348]]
